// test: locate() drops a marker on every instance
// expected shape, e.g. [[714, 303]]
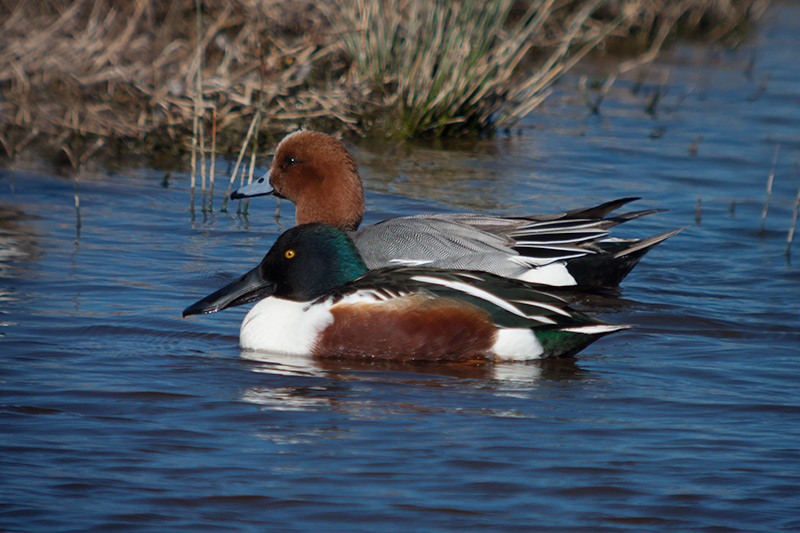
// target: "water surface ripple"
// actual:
[[118, 414]]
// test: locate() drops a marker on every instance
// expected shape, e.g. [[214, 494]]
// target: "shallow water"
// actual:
[[119, 415]]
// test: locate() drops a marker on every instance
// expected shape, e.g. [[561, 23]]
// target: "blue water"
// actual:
[[117, 414]]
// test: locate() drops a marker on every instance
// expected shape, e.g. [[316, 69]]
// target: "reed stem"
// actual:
[[768, 194], [793, 225], [239, 161]]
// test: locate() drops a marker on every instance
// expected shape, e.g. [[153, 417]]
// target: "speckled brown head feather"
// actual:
[[320, 177]]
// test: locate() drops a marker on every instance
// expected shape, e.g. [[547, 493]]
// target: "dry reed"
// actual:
[[793, 225], [768, 193], [137, 75]]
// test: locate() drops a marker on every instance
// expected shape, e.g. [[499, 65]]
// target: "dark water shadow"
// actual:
[[347, 369], [376, 388]]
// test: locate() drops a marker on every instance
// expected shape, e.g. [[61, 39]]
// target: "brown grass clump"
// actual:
[[81, 75], [454, 68], [126, 70]]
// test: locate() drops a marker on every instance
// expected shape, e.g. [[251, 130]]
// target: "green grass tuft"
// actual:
[[449, 68]]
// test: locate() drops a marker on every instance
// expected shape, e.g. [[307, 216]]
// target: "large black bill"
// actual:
[[249, 288]]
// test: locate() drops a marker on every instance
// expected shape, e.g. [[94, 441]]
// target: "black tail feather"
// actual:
[[600, 211], [608, 269]]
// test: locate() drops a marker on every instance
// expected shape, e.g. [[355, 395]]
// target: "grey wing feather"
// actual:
[[508, 246]]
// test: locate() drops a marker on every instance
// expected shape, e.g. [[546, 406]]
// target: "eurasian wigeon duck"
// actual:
[[316, 296], [320, 176]]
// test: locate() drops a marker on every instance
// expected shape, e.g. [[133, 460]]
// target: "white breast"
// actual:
[[283, 326], [288, 327]]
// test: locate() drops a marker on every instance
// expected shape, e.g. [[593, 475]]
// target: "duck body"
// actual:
[[550, 251], [319, 175], [317, 297]]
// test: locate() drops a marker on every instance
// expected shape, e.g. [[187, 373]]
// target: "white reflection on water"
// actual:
[[518, 373], [513, 379], [283, 399], [283, 364], [525, 374]]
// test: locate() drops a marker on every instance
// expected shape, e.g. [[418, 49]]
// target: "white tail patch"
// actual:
[[517, 344], [555, 274]]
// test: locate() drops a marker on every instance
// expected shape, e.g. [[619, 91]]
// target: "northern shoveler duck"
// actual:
[[320, 176], [316, 296]]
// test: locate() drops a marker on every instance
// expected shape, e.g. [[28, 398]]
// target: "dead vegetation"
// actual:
[[79, 76]]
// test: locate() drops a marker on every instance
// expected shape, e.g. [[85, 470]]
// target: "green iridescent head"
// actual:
[[310, 260]]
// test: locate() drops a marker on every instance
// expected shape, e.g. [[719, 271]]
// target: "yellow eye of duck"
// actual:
[[289, 254]]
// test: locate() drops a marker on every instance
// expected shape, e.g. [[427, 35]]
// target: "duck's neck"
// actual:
[[336, 201]]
